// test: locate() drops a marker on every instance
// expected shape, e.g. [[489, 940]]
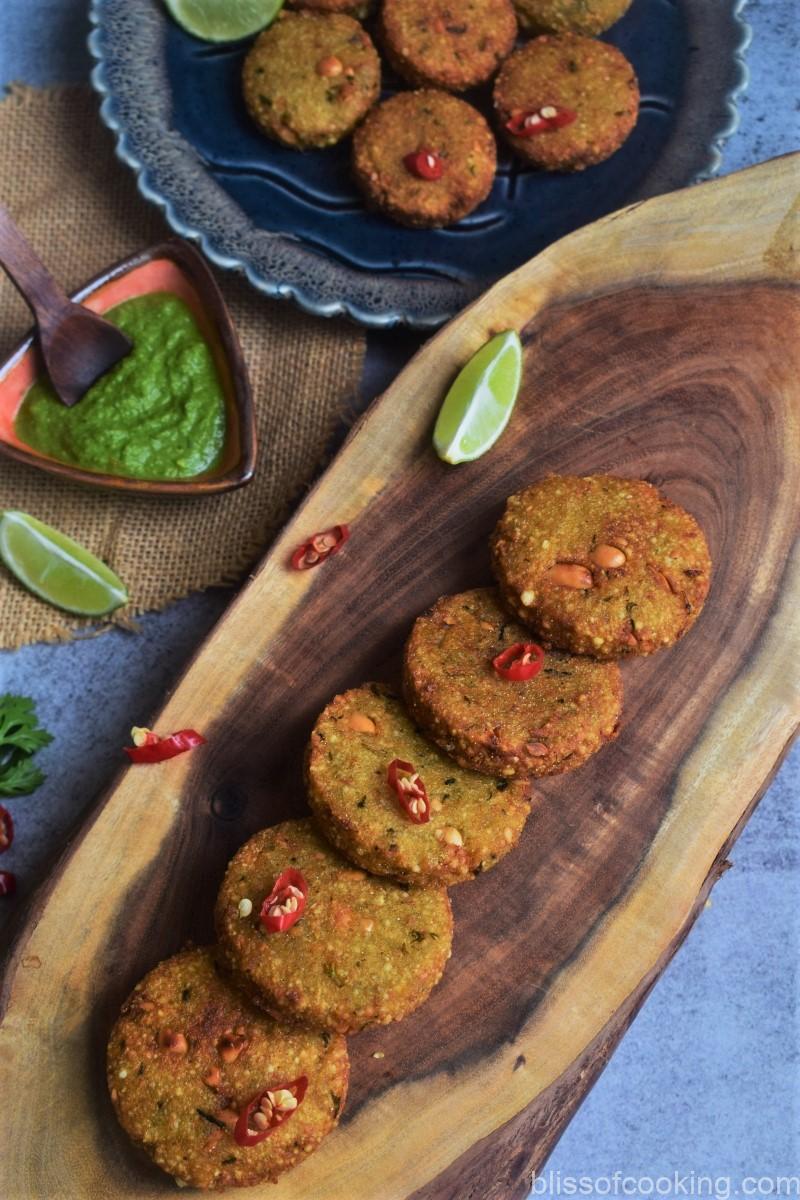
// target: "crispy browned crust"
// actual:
[[430, 120], [649, 603], [544, 726], [165, 1106], [453, 49], [358, 812], [288, 97], [329, 969], [589, 17], [592, 78]]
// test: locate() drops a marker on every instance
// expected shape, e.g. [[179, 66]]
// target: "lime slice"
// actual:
[[56, 568], [223, 20], [477, 408]]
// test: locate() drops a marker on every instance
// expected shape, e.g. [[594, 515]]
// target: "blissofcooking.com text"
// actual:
[[676, 1183]]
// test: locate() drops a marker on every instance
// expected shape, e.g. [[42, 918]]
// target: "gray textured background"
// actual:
[[707, 1081]]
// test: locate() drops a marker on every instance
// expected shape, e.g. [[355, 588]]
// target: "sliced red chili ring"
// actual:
[[8, 883], [425, 164], [540, 120], [319, 547], [268, 1110], [286, 902], [410, 791], [6, 829], [155, 749], [521, 661]]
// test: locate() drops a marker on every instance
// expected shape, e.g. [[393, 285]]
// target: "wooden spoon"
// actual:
[[77, 345]]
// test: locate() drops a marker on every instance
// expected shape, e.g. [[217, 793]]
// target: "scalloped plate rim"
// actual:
[[348, 306]]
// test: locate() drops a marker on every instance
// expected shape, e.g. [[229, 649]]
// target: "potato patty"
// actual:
[[187, 1053], [570, 16], [591, 79], [541, 726], [365, 952], [435, 43], [430, 122], [601, 565], [473, 821], [310, 78]]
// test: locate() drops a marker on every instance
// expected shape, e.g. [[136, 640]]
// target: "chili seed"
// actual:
[[260, 1119], [245, 907]]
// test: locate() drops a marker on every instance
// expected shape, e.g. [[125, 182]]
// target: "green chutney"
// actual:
[[158, 414]]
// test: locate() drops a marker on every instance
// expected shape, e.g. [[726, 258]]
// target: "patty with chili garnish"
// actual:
[[188, 1054], [364, 951], [564, 103], [601, 565], [444, 824], [589, 17], [543, 725], [435, 43], [424, 158], [310, 78]]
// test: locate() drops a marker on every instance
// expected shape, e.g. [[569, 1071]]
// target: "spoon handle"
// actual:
[[29, 274]]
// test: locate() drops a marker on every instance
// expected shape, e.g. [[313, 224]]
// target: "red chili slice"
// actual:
[[8, 883], [155, 749], [268, 1110], [410, 791], [6, 829], [540, 120], [521, 661], [425, 164], [289, 892], [319, 547]]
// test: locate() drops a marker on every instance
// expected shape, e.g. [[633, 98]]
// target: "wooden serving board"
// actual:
[[661, 342]]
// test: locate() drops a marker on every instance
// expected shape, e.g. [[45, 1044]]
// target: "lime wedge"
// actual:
[[477, 408], [223, 20], [56, 568]]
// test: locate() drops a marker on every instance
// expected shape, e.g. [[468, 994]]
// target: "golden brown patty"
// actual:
[[310, 78], [541, 726], [187, 1053], [600, 565], [570, 16], [366, 950], [434, 43], [435, 122], [474, 821], [586, 77], [351, 7]]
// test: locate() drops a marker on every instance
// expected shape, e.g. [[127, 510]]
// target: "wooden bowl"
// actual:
[[173, 266]]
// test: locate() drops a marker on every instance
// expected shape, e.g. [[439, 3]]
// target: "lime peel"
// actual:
[[223, 20], [479, 403], [58, 569]]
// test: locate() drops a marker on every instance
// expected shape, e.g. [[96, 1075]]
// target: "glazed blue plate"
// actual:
[[294, 223]]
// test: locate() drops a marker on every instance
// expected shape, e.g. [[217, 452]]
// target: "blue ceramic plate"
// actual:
[[293, 221]]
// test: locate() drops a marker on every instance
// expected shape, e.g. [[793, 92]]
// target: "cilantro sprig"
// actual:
[[20, 737]]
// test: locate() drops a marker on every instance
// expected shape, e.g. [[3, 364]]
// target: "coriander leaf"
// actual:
[[18, 725], [20, 777]]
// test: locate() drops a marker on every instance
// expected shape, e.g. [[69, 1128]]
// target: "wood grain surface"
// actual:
[[661, 342]]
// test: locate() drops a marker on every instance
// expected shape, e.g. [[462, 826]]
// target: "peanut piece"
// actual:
[[361, 723], [174, 1042], [329, 67], [571, 575], [608, 557]]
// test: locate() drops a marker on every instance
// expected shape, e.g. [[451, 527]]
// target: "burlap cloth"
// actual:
[[79, 207]]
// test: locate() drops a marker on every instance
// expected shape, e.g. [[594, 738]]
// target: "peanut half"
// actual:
[[608, 557], [571, 575]]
